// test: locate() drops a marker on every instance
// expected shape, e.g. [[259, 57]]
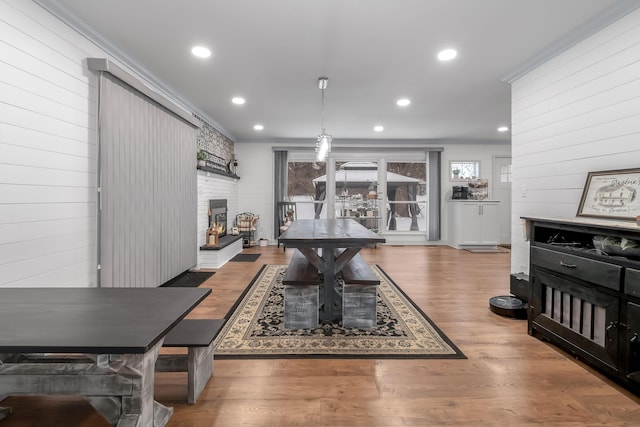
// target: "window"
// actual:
[[385, 192], [306, 190], [356, 193], [406, 196], [505, 173], [460, 170]]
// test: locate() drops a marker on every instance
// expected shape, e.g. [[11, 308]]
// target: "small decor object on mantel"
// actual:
[[611, 194], [212, 236], [202, 158]]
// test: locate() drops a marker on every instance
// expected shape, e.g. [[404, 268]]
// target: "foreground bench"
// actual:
[[194, 334], [301, 284], [359, 294], [197, 335]]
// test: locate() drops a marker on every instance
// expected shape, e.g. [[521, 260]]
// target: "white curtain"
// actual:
[[147, 161]]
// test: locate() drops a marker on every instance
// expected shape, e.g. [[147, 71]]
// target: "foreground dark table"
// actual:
[[329, 235], [120, 329]]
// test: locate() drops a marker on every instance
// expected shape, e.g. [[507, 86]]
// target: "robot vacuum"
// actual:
[[509, 306]]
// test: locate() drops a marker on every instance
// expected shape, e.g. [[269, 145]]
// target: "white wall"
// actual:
[[482, 153], [577, 113], [213, 186], [255, 188]]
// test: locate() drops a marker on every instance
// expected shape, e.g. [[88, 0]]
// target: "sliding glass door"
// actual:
[[406, 196], [386, 192]]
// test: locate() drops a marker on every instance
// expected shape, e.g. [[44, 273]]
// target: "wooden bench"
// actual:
[[359, 294], [197, 335], [301, 284]]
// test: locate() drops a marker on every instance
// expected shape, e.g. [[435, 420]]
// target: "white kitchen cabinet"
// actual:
[[473, 223]]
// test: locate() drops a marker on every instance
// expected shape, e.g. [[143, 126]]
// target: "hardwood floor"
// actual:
[[508, 378]]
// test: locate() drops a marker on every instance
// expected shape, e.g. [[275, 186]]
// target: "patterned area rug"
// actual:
[[255, 328]]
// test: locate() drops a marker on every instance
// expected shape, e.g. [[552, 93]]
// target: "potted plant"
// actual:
[[202, 158], [456, 173]]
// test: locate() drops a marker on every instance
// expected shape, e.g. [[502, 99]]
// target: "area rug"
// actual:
[[190, 279], [245, 257], [255, 328]]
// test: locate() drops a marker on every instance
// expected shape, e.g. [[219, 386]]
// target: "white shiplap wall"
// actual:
[[255, 186], [213, 186], [47, 151], [577, 113]]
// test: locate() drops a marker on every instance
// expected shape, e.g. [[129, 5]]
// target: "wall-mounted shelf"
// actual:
[[217, 172]]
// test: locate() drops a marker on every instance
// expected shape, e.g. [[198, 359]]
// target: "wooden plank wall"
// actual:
[[577, 113], [47, 151]]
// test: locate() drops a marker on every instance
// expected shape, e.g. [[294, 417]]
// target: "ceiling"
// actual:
[[373, 52]]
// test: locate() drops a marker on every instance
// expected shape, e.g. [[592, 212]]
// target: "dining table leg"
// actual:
[[329, 285], [139, 407]]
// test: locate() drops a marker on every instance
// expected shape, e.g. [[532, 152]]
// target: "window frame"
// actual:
[[459, 162]]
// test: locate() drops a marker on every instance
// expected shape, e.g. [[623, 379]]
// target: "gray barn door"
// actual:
[[147, 219]]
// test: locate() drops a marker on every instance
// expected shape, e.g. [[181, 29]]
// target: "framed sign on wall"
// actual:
[[611, 194]]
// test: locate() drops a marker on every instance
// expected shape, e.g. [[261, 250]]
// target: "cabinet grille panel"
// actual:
[[580, 316]]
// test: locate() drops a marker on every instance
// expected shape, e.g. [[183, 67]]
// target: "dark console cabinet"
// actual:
[[585, 295]]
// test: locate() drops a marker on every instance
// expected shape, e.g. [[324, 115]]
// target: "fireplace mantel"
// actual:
[[223, 242], [217, 172]]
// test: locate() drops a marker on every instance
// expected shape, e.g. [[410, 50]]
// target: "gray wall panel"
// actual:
[[148, 180]]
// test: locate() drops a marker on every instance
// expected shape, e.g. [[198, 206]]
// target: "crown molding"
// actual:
[[620, 9], [103, 64], [61, 12]]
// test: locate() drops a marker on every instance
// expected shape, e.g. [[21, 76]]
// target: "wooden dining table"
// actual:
[[329, 244], [118, 330]]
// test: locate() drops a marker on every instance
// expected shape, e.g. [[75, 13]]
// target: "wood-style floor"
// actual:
[[508, 378]]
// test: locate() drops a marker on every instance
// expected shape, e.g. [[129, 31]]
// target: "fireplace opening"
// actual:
[[218, 215]]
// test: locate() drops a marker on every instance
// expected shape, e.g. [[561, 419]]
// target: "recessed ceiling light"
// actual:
[[258, 127], [403, 102], [447, 54], [378, 128], [503, 129], [238, 100], [201, 51]]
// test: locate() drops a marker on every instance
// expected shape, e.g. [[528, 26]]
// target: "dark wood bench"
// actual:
[[358, 272], [300, 272], [197, 336], [359, 294], [301, 284]]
